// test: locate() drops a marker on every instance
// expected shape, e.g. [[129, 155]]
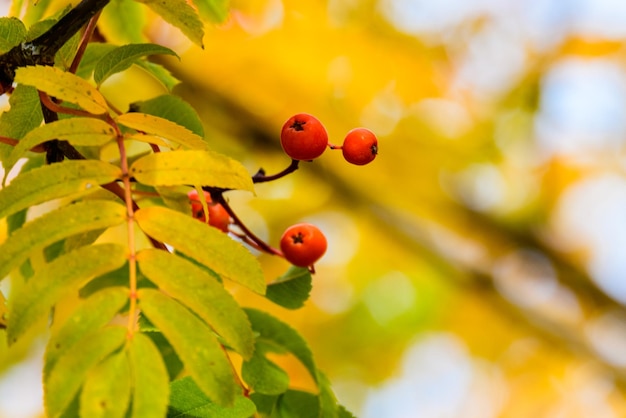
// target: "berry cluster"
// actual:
[[303, 138]]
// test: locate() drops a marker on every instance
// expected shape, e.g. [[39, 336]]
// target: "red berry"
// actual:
[[218, 217], [360, 146], [303, 137], [303, 244]]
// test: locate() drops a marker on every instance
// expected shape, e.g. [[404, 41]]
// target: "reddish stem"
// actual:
[[258, 242], [91, 27]]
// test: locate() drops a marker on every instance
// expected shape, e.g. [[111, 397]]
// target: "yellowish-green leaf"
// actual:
[[54, 181], [194, 342], [180, 14], [202, 293], [106, 391], [63, 275], [92, 313], [150, 379], [77, 131], [56, 225], [164, 128], [64, 86], [70, 371], [204, 168], [203, 243], [173, 108]]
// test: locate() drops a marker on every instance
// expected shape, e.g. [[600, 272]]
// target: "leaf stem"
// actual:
[[130, 229]]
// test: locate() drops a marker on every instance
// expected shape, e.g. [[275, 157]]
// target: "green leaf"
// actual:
[[23, 116], [174, 109], [12, 33], [70, 371], [77, 131], [106, 391], [123, 22], [150, 380], [159, 72], [180, 14], [54, 181], [297, 404], [188, 401], [202, 293], [123, 57], [292, 289], [59, 277], [196, 345], [215, 11], [164, 128], [206, 168], [263, 375], [63, 85], [93, 54], [173, 364], [65, 56], [275, 332], [56, 225], [203, 243], [90, 314]]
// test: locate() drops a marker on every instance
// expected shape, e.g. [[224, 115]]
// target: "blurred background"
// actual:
[[477, 267]]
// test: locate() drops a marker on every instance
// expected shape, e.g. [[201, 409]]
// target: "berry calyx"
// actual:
[[218, 216], [303, 137], [303, 244], [360, 146]]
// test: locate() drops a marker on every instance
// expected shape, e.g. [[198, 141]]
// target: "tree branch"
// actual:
[[42, 49]]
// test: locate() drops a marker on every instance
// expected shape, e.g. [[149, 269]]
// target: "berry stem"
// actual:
[[333, 146], [261, 177], [258, 242]]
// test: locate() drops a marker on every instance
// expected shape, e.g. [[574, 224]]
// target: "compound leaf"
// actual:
[[91, 313], [54, 181], [203, 243], [292, 289], [202, 167], [151, 382], [77, 131], [202, 293], [106, 391], [188, 401], [69, 372], [56, 225], [123, 57], [196, 345], [64, 86], [180, 14], [49, 284]]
